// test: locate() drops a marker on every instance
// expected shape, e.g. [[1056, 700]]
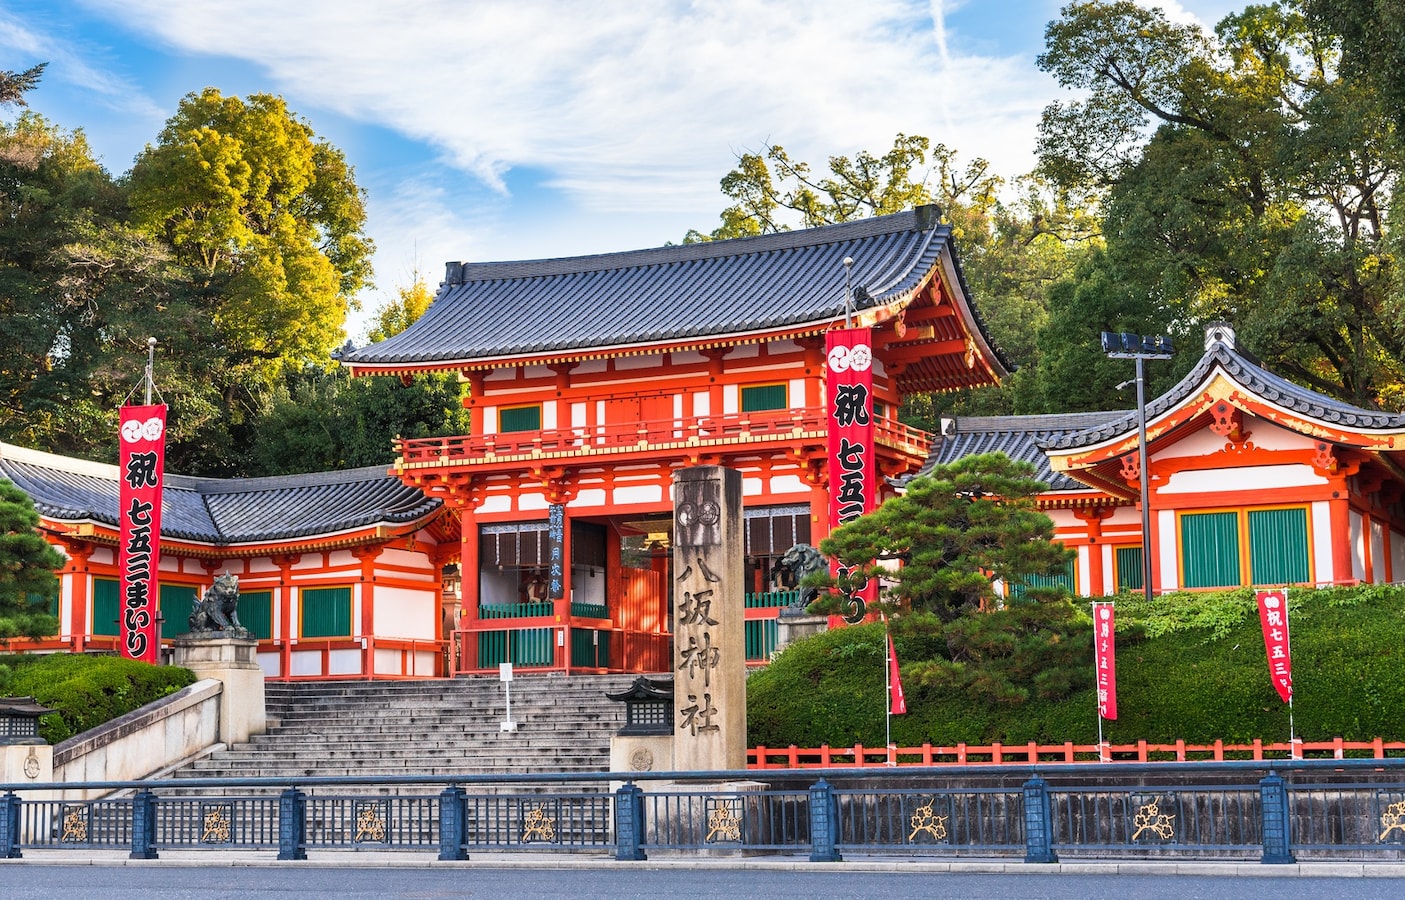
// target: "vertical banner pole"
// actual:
[[141, 458], [1105, 669]]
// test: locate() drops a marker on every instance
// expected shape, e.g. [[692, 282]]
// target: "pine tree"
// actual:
[[27, 564]]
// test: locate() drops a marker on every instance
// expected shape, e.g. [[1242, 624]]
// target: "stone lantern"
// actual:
[[19, 720]]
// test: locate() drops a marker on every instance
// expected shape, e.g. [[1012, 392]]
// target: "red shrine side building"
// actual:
[[590, 381], [542, 538]]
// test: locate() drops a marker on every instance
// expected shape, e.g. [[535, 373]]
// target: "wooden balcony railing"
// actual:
[[769, 426]]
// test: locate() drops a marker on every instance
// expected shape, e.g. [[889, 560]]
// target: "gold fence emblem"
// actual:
[[216, 825], [924, 820], [1150, 818], [75, 826], [724, 824], [370, 825], [538, 826], [1393, 818]]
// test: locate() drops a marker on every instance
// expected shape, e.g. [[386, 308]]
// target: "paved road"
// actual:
[[168, 882]]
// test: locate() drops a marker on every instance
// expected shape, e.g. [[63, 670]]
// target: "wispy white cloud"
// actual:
[[70, 61], [622, 104]]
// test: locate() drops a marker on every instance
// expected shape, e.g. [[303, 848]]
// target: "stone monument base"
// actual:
[[231, 661], [791, 628]]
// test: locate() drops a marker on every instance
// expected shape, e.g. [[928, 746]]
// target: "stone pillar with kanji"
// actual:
[[709, 639]]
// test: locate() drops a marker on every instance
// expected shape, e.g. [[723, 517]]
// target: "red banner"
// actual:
[[853, 484], [897, 703], [1273, 616], [142, 437], [1105, 658]]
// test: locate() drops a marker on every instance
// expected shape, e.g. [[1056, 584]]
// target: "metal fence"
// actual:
[[1276, 812]]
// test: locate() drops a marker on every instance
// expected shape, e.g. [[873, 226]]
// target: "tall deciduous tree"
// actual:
[[955, 531], [27, 564], [1244, 178]]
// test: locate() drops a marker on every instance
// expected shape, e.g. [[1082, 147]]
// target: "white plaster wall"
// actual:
[[1321, 522], [1109, 570], [549, 415], [701, 403], [495, 503], [489, 419], [641, 493], [1166, 549], [404, 613], [753, 487], [1358, 549], [797, 393], [730, 399], [1085, 568], [269, 663], [578, 415], [1377, 552], [305, 662], [1397, 556], [588, 498], [1241, 478], [344, 662], [529, 502], [1263, 434], [405, 559], [789, 484]]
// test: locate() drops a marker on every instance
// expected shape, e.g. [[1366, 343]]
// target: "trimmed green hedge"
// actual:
[[86, 691], [1189, 665]]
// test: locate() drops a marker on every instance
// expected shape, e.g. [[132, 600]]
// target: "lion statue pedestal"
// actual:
[[219, 647]]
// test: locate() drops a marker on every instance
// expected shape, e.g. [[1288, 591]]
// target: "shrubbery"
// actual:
[[1189, 666], [85, 691]]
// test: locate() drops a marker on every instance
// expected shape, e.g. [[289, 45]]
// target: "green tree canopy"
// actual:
[[1244, 178], [265, 216], [27, 564], [955, 530]]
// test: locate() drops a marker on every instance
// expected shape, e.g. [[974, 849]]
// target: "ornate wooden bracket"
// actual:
[[1229, 422], [1324, 457], [556, 483], [1132, 468]]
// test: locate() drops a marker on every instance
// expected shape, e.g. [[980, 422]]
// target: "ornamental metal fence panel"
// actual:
[[1157, 821], [1275, 813], [972, 821], [704, 819], [1337, 818]]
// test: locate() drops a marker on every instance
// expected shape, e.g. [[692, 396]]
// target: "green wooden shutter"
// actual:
[[520, 418], [256, 613], [326, 612], [765, 396], [1129, 569], [1210, 549], [106, 608], [1064, 579], [177, 601], [1278, 546]]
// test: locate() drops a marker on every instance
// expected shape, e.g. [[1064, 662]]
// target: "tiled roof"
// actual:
[[1246, 372], [1018, 437], [222, 510], [677, 293]]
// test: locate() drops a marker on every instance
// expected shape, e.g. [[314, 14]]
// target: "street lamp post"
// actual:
[[1121, 345]]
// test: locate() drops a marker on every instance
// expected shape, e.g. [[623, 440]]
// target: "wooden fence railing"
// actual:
[[825, 757]]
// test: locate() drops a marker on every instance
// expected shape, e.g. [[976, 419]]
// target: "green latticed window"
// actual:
[[1210, 549], [1278, 546], [764, 396], [106, 606], [256, 613], [1063, 579], [520, 418], [326, 612], [1129, 569]]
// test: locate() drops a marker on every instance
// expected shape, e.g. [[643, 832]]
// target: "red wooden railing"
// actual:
[[736, 428], [962, 754]]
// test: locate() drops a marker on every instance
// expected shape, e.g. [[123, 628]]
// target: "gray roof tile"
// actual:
[[1245, 371], [222, 511], [1018, 437], [686, 292]]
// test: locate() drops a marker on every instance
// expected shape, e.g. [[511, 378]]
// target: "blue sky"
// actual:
[[524, 128]]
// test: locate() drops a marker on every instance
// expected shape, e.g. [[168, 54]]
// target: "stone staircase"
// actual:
[[443, 727]]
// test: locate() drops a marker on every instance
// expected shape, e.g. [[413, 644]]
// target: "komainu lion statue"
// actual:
[[218, 610], [797, 562]]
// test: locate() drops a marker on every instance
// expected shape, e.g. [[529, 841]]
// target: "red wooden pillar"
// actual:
[[367, 557], [285, 614], [1339, 514], [80, 587]]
